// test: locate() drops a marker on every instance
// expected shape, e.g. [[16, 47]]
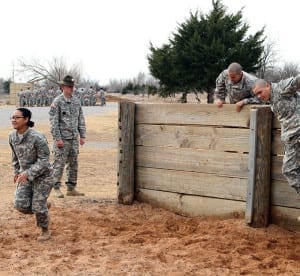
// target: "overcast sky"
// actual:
[[110, 38]]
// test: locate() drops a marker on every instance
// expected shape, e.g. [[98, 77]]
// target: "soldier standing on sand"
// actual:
[[285, 103], [32, 169], [237, 85], [67, 123]]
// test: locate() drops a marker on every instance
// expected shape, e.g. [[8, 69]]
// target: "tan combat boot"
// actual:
[[73, 192], [58, 193], [46, 235]]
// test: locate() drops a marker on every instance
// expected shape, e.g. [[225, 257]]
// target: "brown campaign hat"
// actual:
[[68, 81]]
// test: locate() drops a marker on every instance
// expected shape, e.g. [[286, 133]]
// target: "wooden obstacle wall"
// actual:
[[192, 159], [197, 159]]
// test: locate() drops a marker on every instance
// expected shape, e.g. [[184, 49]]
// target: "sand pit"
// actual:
[[93, 235]]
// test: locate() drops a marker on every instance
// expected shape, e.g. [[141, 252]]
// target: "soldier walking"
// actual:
[[68, 131], [32, 169]]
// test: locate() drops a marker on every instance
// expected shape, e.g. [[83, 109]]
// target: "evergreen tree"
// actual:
[[201, 48]]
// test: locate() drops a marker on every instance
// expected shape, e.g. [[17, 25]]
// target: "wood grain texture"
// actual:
[[192, 114], [192, 206], [220, 163], [201, 184], [197, 137]]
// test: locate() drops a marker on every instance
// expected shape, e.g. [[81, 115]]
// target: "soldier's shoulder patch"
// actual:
[[53, 105]]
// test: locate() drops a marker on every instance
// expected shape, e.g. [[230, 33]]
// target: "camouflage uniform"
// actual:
[[236, 91], [67, 123], [30, 154], [285, 103]]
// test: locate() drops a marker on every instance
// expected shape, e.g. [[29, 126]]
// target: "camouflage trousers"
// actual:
[[66, 156], [291, 163], [31, 198]]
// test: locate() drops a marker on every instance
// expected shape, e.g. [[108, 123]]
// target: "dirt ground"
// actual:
[[94, 235]]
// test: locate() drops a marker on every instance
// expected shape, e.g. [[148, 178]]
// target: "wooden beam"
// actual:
[[192, 114], [277, 145], [192, 183], [191, 136], [258, 195], [126, 152], [181, 159], [286, 217], [282, 194], [192, 206]]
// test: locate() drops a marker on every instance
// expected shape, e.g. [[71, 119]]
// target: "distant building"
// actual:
[[15, 88]]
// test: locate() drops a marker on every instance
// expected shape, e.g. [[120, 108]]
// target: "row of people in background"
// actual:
[[44, 97]]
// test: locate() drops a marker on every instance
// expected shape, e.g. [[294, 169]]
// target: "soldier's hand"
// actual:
[[15, 178], [82, 141], [239, 106], [22, 178], [60, 143], [219, 103]]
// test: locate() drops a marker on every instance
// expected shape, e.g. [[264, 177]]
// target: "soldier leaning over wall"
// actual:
[[284, 100], [237, 85]]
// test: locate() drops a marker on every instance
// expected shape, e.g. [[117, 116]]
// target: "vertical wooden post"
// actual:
[[126, 152], [258, 192]]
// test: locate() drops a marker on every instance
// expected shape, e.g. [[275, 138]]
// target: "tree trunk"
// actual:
[[210, 96], [183, 98]]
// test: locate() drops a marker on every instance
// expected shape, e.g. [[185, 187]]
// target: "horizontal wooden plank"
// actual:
[[286, 217], [282, 194], [192, 206], [205, 161], [192, 114], [275, 123], [276, 168], [197, 137], [192, 183], [277, 145]]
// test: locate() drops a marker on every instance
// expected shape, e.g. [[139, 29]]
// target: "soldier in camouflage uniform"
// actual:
[[32, 169], [285, 104], [67, 123], [237, 85]]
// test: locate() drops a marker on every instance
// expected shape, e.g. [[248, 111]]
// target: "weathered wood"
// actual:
[[209, 185], [192, 206], [282, 194], [275, 123], [126, 152], [261, 172], [277, 145], [276, 168], [286, 217], [197, 137], [192, 114], [180, 159], [252, 167]]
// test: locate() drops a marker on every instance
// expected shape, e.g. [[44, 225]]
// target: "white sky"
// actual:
[[110, 38]]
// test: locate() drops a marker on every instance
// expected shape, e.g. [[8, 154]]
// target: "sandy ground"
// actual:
[[94, 235]]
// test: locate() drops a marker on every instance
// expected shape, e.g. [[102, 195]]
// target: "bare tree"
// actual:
[[48, 71], [268, 59], [289, 69]]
